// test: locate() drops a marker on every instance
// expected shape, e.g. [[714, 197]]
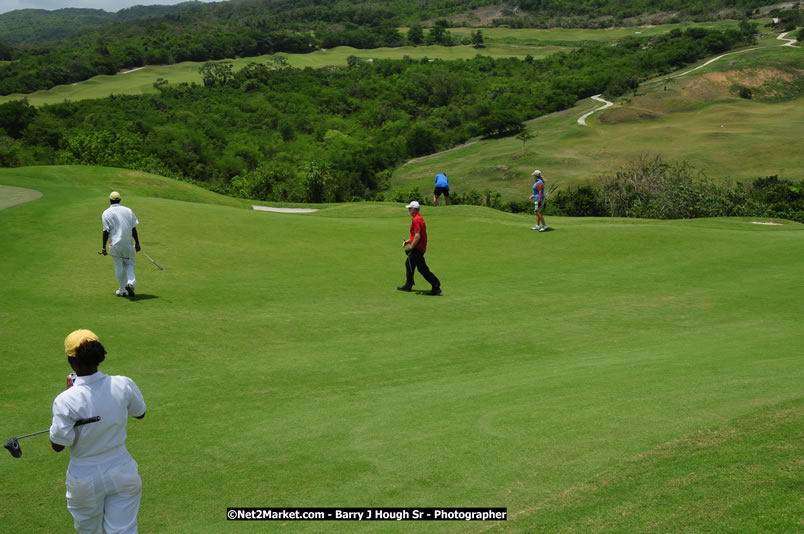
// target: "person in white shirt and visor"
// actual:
[[103, 482], [119, 227]]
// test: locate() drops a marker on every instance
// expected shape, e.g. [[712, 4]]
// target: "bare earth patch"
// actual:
[[715, 84], [687, 94]]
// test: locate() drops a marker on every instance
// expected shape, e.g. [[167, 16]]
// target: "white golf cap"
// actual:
[[537, 173], [413, 204], [114, 195]]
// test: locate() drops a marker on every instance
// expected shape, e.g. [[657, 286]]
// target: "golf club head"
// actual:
[[13, 447]]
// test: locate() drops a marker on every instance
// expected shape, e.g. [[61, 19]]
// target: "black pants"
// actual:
[[416, 261]]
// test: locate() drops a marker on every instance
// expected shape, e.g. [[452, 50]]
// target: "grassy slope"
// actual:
[[695, 119], [499, 43], [99, 181], [282, 368]]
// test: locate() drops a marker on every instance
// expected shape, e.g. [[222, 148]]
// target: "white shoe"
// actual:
[[120, 293], [543, 228], [535, 228]]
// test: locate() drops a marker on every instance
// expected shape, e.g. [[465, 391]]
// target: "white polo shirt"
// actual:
[[119, 221], [113, 398]]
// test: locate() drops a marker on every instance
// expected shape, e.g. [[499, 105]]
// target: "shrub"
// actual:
[[316, 183], [581, 201]]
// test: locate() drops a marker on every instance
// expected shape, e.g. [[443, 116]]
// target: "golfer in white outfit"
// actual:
[[119, 227], [103, 484]]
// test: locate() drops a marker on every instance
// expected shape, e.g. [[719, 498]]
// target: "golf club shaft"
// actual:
[[77, 423], [152, 260], [33, 434]]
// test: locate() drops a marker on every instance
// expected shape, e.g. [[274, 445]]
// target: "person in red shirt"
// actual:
[[418, 246]]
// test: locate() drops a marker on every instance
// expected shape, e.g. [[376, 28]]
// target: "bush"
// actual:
[[581, 201], [653, 188], [473, 197], [410, 196], [317, 184]]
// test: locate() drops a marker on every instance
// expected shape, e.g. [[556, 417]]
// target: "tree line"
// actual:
[[32, 26], [201, 32], [258, 132], [535, 10], [48, 67]]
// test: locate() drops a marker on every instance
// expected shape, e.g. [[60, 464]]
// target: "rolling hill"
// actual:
[[610, 375]]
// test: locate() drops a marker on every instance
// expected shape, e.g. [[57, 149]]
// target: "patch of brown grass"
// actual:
[[688, 94], [624, 114]]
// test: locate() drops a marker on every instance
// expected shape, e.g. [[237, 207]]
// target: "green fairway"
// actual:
[[607, 376]]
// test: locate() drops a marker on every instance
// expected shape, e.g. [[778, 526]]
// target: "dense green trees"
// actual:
[[254, 132], [33, 26], [201, 32]]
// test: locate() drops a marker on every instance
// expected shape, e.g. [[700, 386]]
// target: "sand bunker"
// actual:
[[284, 210], [11, 196]]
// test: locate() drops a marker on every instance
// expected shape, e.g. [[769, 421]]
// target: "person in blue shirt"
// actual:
[[441, 186], [538, 197]]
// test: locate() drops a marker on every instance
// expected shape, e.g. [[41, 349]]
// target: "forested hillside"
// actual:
[[276, 133], [35, 26], [255, 27]]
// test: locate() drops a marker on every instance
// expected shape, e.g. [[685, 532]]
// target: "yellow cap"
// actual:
[[76, 339], [114, 196]]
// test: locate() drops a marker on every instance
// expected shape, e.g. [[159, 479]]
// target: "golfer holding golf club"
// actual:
[[103, 484], [120, 224], [418, 246]]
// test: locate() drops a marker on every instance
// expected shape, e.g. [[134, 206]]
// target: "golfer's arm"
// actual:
[[416, 239], [56, 447], [135, 236], [105, 237], [140, 416]]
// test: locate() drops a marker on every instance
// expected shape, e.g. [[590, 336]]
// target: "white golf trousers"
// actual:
[[105, 501], [124, 271]]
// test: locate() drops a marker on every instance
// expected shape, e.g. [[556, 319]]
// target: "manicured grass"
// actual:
[[282, 368], [100, 181]]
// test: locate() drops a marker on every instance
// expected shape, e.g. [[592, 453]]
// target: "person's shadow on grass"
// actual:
[[142, 296]]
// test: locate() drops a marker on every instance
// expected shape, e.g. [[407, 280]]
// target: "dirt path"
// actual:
[[582, 120], [790, 42], [11, 196]]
